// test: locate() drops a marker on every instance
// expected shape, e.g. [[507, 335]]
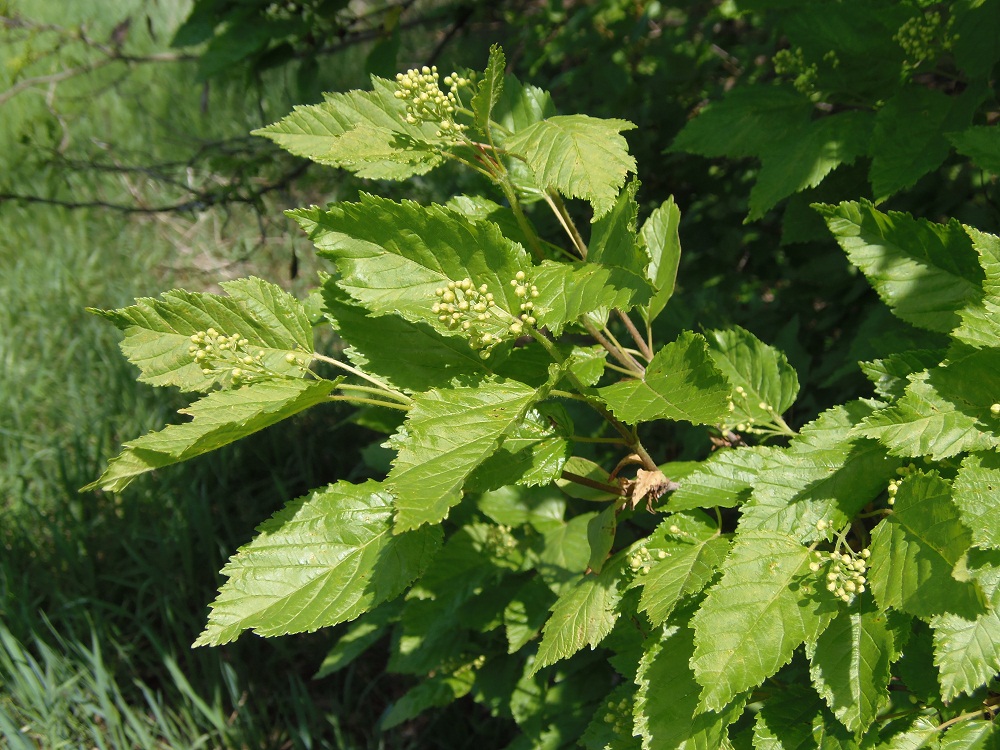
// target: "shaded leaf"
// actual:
[[915, 550], [582, 616], [851, 659], [667, 714]]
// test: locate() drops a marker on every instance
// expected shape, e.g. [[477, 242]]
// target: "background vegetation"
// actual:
[[127, 170]]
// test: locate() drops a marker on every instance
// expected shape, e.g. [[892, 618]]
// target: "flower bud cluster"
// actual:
[[893, 488], [791, 63], [642, 559], [462, 305], [924, 37], [749, 425], [426, 102], [499, 541], [231, 356], [845, 575], [619, 716]]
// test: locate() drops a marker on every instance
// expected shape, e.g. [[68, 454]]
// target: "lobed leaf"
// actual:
[[755, 617], [218, 419], [578, 155], [759, 370], [158, 331], [323, 559], [364, 132], [681, 383], [393, 256]]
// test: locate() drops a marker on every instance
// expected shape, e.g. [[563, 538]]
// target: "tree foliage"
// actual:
[[541, 548]]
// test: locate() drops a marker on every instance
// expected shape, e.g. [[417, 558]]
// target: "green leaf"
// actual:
[[568, 291], [489, 89], [681, 383], [432, 632], [583, 615], [915, 551], [521, 106], [321, 560], [667, 711], [531, 454], [762, 606], [601, 536], [890, 375], [663, 245], [796, 719], [805, 157], [973, 735], [685, 568], [541, 507], [975, 491], [565, 552], [434, 691], [923, 423], [364, 132], [526, 613], [578, 155], [924, 272], [851, 661], [981, 318], [981, 144], [158, 331], [613, 239], [920, 734], [908, 141], [760, 370], [393, 256], [723, 480], [360, 635], [967, 650], [218, 419], [746, 123], [798, 487], [449, 432], [967, 381], [584, 467], [611, 726], [409, 356]]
